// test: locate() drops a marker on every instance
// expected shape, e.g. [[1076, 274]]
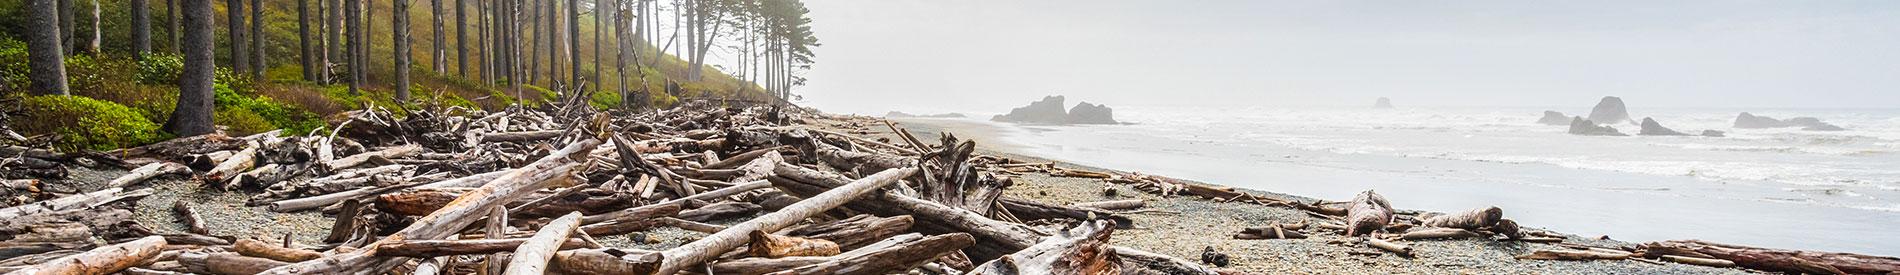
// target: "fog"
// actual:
[[987, 56]]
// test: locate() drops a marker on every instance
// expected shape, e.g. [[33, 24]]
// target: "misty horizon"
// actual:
[[932, 57]]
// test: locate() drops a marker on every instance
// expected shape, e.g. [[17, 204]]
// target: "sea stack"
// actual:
[[1752, 121], [1085, 113], [1585, 127], [1554, 118], [1651, 128], [1610, 111], [1383, 103], [1713, 133], [1048, 110]]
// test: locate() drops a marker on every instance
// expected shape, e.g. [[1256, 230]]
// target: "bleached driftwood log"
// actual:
[[226, 263], [856, 231], [897, 257], [467, 209], [148, 172], [1777, 260], [1438, 233], [1469, 219], [193, 223], [776, 246], [103, 260], [532, 257], [1369, 212], [1080, 250], [703, 249], [1113, 205], [432, 248], [230, 167], [255, 248], [71, 202]]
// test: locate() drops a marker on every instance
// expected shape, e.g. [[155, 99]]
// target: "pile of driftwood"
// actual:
[[531, 191]]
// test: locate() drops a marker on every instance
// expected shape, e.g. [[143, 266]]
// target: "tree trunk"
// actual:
[[66, 27], [171, 24], [461, 39], [534, 41], [439, 55], [352, 10], [92, 46], [599, 24], [573, 43], [141, 29], [48, 65], [192, 116], [240, 59], [304, 51], [258, 53], [399, 25], [333, 40]]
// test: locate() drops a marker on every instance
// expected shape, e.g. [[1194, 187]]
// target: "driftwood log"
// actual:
[[1469, 219], [533, 256], [900, 256], [103, 260], [1777, 260], [1080, 250], [1369, 212], [704, 249]]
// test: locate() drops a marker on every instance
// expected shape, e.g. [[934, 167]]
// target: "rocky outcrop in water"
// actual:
[[1610, 111], [1651, 128], [1713, 133], [1752, 121], [1048, 110], [897, 114], [1554, 118], [1383, 103], [1086, 113], [1585, 127]]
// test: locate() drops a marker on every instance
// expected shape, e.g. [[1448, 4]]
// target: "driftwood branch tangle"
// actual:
[[704, 249]]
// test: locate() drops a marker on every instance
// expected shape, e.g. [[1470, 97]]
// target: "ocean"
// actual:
[[1782, 188]]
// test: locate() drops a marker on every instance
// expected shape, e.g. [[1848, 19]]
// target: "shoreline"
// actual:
[[1204, 223]]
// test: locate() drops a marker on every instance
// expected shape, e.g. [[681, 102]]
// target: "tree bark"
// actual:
[[48, 65], [439, 54], [305, 53], [141, 29], [333, 40], [240, 59], [103, 260], [353, 10], [574, 43], [400, 36], [533, 256], [258, 53], [192, 116]]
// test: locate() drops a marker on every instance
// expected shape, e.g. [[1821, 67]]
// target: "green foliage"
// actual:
[[341, 95], [160, 69], [85, 123], [239, 121], [275, 114], [224, 76], [13, 66], [605, 99]]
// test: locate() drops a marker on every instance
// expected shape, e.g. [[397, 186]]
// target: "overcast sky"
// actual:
[[987, 56]]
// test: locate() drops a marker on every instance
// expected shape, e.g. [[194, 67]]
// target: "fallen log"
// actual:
[[1777, 260], [1469, 219], [148, 172], [533, 255], [1113, 205], [102, 196], [193, 223], [1369, 212], [379, 155], [255, 248], [775, 246], [1400, 249], [1274, 231], [1438, 233], [703, 249], [496, 228], [1699, 261], [856, 231], [103, 260], [521, 136], [434, 248], [230, 167], [226, 263], [720, 211], [897, 258], [605, 261], [1080, 250], [1573, 255], [465, 210]]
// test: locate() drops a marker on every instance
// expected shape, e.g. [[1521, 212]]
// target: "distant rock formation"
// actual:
[[1383, 103], [1651, 128], [1554, 118], [1086, 113], [1752, 121], [1048, 110], [1610, 111], [1712, 133], [897, 114], [1585, 127]]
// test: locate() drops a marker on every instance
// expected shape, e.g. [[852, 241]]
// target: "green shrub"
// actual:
[[273, 113], [239, 121], [605, 99], [160, 69], [85, 123], [13, 67]]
